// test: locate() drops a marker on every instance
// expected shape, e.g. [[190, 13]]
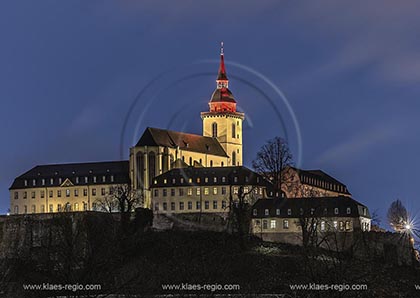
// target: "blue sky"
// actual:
[[69, 71]]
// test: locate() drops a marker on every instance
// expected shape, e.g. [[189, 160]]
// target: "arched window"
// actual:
[[233, 158], [152, 167], [233, 130], [214, 129], [211, 163], [223, 163], [140, 169]]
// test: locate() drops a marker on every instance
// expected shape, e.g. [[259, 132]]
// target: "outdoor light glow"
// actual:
[[408, 227]]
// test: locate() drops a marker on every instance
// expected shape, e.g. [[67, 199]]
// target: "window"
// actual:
[[189, 191], [182, 180], [43, 181], [156, 193], [25, 195], [285, 224], [235, 190], [214, 129], [223, 204], [33, 195], [85, 192], [59, 207], [86, 179], [335, 210], [223, 179], [172, 192], [59, 193], [215, 190], [67, 192], [223, 190], [51, 208], [51, 181], [33, 182], [77, 180], [103, 178], [165, 192], [266, 212], [189, 205], [189, 180], [348, 210], [348, 225], [94, 179], [198, 205], [42, 194], [172, 206], [181, 205], [235, 179], [206, 205], [206, 191], [341, 225], [33, 208], [322, 226], [102, 191], [198, 179], [165, 181], [301, 211], [156, 206], [198, 191], [173, 181], [112, 178], [181, 192], [76, 206], [255, 212], [335, 225], [60, 180], [233, 130], [93, 191], [25, 209], [85, 206], [42, 208], [165, 206], [273, 224], [289, 211], [265, 224], [26, 182], [277, 211], [222, 164], [206, 179], [16, 195], [214, 204]]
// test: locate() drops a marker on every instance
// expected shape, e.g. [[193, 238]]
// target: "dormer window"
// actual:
[[112, 178], [33, 182], [103, 178], [289, 211], [51, 181], [26, 182], [43, 181], [77, 180], [336, 211], [94, 179], [86, 180], [60, 180], [266, 212], [255, 212], [348, 210]]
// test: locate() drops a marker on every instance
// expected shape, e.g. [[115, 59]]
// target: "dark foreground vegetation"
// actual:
[[138, 261]]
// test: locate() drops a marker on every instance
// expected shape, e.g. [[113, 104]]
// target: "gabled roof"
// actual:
[[320, 205], [118, 169], [238, 175], [185, 141]]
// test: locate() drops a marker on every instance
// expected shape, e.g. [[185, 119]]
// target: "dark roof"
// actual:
[[222, 95], [185, 141], [118, 169], [319, 175], [244, 176], [318, 204]]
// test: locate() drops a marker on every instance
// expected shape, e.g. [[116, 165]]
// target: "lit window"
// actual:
[[164, 181], [273, 224], [214, 179], [86, 180], [277, 211], [206, 179], [94, 179], [215, 190], [112, 178], [189, 192], [60, 180], [348, 225], [76, 206], [322, 226], [51, 208], [77, 180], [335, 225], [198, 180], [33, 182], [26, 182], [103, 178], [43, 181], [285, 224], [52, 181], [223, 179], [33, 208], [189, 180], [67, 192], [348, 210], [206, 191], [198, 191]]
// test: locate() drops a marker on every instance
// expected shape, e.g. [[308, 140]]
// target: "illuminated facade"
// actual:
[[160, 150]]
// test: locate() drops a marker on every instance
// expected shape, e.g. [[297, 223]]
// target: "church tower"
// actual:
[[223, 121]]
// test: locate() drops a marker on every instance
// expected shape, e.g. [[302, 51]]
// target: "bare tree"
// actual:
[[397, 216], [273, 160]]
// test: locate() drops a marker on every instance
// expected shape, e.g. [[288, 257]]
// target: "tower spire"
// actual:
[[222, 80]]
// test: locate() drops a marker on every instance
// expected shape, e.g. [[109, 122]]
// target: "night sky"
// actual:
[[73, 72]]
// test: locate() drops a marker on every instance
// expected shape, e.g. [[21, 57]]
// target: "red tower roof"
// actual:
[[222, 69]]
